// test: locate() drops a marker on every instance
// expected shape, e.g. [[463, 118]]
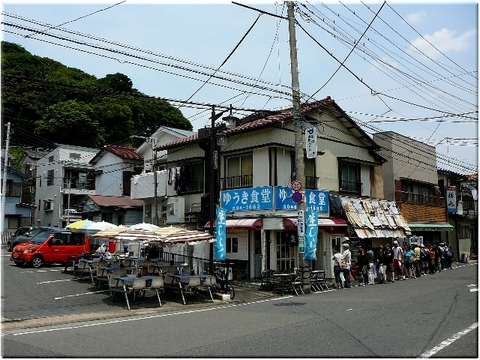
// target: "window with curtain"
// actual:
[[350, 178]]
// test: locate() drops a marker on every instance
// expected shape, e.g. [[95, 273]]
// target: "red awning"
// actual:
[[291, 223], [241, 224]]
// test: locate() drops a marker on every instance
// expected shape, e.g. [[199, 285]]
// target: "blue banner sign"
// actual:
[[221, 234], [315, 200], [311, 234], [257, 198]]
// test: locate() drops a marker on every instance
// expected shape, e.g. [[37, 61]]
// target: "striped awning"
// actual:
[[241, 224], [291, 223], [430, 226]]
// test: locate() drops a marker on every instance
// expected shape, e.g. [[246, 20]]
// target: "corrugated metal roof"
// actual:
[[373, 218], [118, 201]]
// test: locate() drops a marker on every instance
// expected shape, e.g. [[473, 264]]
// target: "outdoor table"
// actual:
[[87, 267], [285, 279]]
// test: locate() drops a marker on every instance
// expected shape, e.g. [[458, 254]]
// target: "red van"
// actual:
[[57, 247]]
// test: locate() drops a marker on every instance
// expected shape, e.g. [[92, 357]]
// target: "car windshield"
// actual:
[[35, 232], [40, 238]]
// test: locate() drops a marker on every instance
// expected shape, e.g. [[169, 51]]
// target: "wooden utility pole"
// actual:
[[297, 121]]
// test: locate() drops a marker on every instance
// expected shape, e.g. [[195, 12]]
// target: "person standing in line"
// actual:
[[362, 266], [337, 267], [371, 274], [347, 257], [425, 259], [398, 260], [389, 263], [409, 269], [416, 259], [431, 254], [381, 266], [448, 255]]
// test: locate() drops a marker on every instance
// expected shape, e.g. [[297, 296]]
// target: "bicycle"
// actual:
[[223, 285]]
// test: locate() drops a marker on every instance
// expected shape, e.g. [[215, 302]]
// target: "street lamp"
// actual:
[[214, 186]]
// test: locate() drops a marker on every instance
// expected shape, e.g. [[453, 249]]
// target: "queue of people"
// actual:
[[390, 263]]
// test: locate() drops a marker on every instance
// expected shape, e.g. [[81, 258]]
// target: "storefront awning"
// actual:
[[291, 223], [372, 218], [241, 224], [430, 226]]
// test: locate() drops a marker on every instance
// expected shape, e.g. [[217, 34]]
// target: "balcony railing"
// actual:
[[419, 199], [236, 182], [192, 187]]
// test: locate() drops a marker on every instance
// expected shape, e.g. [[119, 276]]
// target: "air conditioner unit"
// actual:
[[175, 210]]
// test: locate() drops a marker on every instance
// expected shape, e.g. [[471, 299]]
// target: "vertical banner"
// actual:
[[451, 199], [221, 234], [311, 143], [311, 235]]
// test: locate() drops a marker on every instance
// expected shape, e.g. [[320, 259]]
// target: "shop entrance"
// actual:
[[286, 243]]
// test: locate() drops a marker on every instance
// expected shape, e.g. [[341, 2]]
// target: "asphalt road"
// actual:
[[432, 316]]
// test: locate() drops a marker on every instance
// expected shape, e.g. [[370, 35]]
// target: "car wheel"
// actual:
[[37, 261]]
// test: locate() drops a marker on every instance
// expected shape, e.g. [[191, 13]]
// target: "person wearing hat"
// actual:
[[347, 257]]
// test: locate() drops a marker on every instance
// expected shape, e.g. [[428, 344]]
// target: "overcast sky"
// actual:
[[409, 67]]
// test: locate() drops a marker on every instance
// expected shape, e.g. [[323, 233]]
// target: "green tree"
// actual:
[[71, 122]]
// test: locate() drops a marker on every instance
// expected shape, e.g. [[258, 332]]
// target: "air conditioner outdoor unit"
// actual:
[[175, 210]]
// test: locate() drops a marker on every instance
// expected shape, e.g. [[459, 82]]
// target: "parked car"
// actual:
[[20, 231], [53, 247], [27, 236]]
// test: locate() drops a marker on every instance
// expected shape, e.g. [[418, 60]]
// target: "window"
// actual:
[[14, 189], [74, 156], [232, 245], [239, 172], [47, 205], [464, 232], [349, 177], [190, 178], [50, 177]]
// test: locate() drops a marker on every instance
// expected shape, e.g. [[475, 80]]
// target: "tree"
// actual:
[[71, 122], [116, 82]]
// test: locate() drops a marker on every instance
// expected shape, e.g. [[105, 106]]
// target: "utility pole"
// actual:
[[4, 180], [155, 179], [297, 120]]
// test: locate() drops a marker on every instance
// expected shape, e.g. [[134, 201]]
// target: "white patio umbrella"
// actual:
[[93, 228], [144, 226]]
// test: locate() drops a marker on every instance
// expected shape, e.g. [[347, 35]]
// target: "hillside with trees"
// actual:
[[47, 102]]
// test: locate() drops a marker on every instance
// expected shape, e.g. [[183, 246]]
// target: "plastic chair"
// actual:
[[210, 282], [158, 284]]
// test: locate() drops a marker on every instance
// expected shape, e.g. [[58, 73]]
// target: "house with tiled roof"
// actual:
[[115, 166], [251, 172]]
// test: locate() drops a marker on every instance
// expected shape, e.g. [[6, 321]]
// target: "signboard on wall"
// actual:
[[245, 199], [451, 192], [315, 200]]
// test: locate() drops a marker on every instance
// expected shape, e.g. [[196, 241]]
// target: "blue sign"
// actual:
[[257, 198], [311, 234], [315, 200], [221, 234]]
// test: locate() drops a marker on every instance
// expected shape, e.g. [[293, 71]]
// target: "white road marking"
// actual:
[[79, 294], [449, 341], [473, 287], [53, 281], [124, 320]]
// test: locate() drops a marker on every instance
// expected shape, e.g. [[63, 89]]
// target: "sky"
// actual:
[[406, 67]]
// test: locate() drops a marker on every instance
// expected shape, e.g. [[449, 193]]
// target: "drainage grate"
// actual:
[[290, 304]]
